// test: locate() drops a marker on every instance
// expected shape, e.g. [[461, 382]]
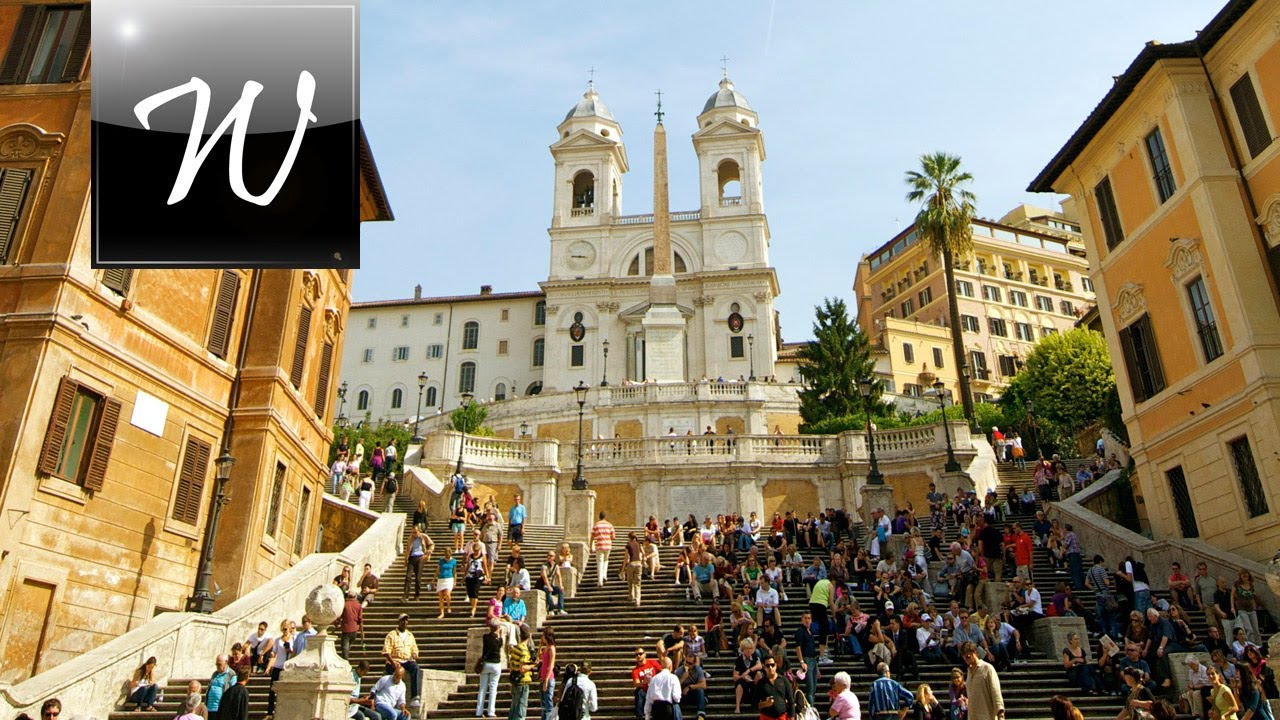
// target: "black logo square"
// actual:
[[226, 133]]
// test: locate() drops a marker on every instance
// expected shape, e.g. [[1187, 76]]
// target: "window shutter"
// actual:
[[13, 192], [195, 466], [79, 48], [300, 349], [1153, 355], [223, 312], [19, 43], [1131, 365], [103, 439], [56, 435], [1249, 112], [118, 279], [322, 384]]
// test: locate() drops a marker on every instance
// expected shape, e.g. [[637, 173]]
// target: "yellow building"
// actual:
[[118, 386], [1026, 279], [1175, 176]]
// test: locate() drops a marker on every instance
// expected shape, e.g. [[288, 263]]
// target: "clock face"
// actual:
[[581, 255]]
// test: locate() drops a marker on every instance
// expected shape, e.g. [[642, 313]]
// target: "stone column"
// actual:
[[570, 577], [541, 501], [579, 515], [317, 683]]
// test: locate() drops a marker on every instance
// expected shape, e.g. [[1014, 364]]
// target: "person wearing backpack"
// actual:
[[590, 695], [389, 489], [1136, 574], [459, 487], [573, 700]]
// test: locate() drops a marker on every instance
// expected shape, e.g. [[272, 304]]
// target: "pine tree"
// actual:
[[832, 364]]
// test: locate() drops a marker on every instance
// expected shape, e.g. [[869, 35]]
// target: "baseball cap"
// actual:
[[403, 616], [888, 605]]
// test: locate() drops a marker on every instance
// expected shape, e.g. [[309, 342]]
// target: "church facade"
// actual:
[[587, 322]]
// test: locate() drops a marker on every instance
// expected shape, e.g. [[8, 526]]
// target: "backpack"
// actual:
[[571, 705], [1140, 572], [459, 484]]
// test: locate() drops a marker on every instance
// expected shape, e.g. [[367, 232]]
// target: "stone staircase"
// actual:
[[604, 627]]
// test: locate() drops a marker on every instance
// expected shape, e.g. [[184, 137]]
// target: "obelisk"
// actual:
[[664, 324]]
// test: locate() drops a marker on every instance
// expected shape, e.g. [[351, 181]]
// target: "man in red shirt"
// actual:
[[351, 621], [602, 535], [644, 670], [1022, 549]]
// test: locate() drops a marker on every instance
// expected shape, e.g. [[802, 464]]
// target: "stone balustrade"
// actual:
[[551, 456], [185, 644]]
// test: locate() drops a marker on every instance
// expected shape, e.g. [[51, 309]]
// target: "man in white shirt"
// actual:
[[767, 602], [388, 696], [664, 694], [590, 696], [793, 561]]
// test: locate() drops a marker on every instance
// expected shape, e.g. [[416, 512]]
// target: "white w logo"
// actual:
[[195, 155]]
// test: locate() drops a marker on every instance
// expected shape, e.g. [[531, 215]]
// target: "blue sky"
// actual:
[[461, 100]]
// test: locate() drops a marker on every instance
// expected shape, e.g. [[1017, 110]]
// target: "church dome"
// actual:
[[589, 106], [726, 97]]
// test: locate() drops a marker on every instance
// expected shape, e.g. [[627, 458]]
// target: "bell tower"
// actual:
[[730, 149], [590, 160]]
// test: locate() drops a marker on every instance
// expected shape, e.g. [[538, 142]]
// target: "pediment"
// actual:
[[725, 128], [583, 139]]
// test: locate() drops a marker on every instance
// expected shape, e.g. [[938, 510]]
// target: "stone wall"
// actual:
[[185, 644], [1099, 535], [783, 495], [343, 523], [618, 501]]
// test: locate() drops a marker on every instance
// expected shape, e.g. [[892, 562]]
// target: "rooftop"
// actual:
[[1126, 82], [445, 299]]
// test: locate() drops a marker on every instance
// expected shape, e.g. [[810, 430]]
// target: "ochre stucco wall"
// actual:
[[618, 502], [783, 495]]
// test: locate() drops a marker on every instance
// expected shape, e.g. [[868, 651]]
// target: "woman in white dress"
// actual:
[[366, 491]]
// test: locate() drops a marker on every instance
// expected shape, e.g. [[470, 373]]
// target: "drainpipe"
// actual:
[[1270, 257]]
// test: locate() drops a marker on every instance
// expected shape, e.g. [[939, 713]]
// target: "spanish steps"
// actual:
[[602, 626]]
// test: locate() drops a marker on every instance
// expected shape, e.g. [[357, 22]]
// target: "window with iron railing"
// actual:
[[1160, 167], [1206, 323], [1255, 498]]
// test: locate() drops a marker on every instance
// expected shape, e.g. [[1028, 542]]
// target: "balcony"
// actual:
[[582, 212], [1042, 282], [1013, 275], [730, 201], [647, 218], [1064, 285]]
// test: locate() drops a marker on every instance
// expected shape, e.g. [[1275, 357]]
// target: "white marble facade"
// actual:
[[597, 287]]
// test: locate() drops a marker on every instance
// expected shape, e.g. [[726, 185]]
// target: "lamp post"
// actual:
[[462, 428], [604, 378], [580, 482], [751, 355], [417, 416], [524, 431], [202, 599], [342, 404], [940, 388], [1031, 424], [873, 475]]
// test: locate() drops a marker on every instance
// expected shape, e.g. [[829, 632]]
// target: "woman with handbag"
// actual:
[[1138, 704]]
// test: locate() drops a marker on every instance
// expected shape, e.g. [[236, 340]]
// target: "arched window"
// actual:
[[431, 397], [539, 352], [642, 263], [540, 313], [500, 391], [362, 400], [534, 388], [729, 179], [467, 378], [584, 190], [397, 398], [471, 335]]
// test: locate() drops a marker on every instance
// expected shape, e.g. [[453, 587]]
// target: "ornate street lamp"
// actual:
[[580, 482], [462, 444], [524, 431], [422, 385], [751, 354], [940, 388], [604, 378], [202, 599], [873, 475], [342, 404]]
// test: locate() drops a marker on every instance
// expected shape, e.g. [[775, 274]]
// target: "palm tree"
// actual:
[[944, 223]]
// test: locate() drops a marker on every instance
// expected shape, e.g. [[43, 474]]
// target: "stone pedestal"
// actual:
[[954, 482], [875, 497], [996, 594], [664, 330], [1178, 668], [570, 577], [579, 516], [535, 603], [581, 554], [317, 683], [1049, 635], [475, 646], [1273, 645]]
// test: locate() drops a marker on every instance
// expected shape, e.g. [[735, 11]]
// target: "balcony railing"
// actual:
[[582, 212], [1013, 275], [730, 201], [647, 219], [1064, 285]]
